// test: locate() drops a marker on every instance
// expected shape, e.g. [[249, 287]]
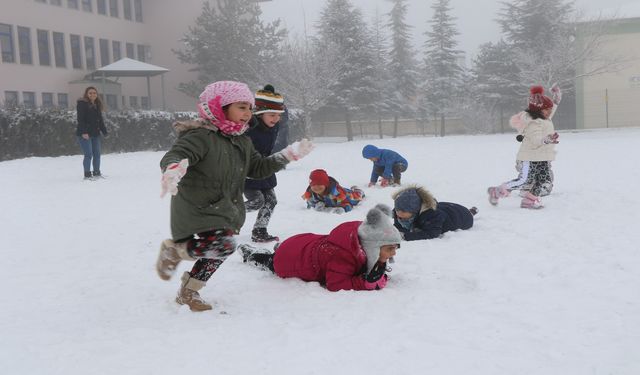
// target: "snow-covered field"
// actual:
[[554, 291]]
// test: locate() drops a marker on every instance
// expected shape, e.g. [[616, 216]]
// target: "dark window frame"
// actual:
[[7, 44], [44, 47], [25, 50], [90, 52], [59, 50]]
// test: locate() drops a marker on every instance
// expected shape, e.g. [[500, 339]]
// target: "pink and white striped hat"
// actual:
[[229, 92]]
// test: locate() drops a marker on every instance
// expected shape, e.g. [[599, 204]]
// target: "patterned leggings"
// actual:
[[210, 248], [263, 200], [534, 176]]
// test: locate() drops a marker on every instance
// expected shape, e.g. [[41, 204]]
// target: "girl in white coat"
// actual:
[[536, 151]]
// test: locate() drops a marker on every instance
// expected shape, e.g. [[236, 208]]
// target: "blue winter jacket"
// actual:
[[263, 138], [432, 223], [386, 159]]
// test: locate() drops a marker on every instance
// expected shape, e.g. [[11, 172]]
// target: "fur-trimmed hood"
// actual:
[[428, 201], [183, 126]]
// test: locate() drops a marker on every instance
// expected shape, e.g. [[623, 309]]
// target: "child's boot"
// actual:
[[497, 192], [473, 210], [261, 235], [171, 254], [531, 201], [188, 293], [88, 176]]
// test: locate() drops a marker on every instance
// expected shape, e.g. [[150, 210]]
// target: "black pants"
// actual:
[[263, 200], [397, 170]]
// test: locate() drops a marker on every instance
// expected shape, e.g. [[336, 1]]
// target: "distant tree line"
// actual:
[[351, 68]]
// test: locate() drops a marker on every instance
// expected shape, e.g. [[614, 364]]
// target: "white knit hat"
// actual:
[[377, 230]]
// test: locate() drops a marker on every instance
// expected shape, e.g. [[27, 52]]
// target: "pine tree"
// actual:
[[229, 42], [443, 74], [402, 64], [539, 35], [342, 29], [494, 80]]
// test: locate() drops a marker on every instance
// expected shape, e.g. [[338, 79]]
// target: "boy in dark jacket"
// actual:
[[386, 163], [264, 133], [419, 216]]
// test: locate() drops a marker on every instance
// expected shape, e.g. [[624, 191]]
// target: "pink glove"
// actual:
[[384, 182], [551, 138], [171, 176], [517, 121], [377, 285], [556, 94], [298, 150], [372, 184]]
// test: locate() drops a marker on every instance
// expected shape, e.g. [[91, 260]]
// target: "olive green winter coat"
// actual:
[[210, 193]]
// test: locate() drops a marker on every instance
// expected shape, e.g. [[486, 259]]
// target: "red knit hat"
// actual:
[[537, 100], [319, 177]]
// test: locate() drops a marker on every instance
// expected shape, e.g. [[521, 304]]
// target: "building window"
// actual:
[[63, 101], [133, 101], [113, 8], [76, 51], [112, 101], [10, 99], [29, 99], [56, 2], [47, 99], [144, 102], [104, 52], [44, 52], [24, 44], [117, 53], [102, 7], [73, 4], [87, 6], [58, 50], [143, 53], [137, 4], [89, 53], [130, 51], [6, 43], [126, 9]]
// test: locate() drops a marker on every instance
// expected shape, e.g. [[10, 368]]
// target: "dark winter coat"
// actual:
[[263, 138], [386, 160], [90, 120], [435, 218], [210, 193], [335, 260], [336, 196]]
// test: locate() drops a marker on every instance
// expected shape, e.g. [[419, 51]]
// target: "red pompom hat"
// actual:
[[537, 100], [319, 177]]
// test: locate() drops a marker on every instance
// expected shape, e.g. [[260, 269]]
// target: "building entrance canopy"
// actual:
[[132, 68]]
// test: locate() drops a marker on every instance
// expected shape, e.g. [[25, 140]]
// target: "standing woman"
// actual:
[[90, 125]]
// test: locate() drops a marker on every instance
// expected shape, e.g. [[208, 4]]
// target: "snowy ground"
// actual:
[[543, 292]]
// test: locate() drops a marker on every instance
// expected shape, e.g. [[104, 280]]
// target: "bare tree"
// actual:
[[305, 75]]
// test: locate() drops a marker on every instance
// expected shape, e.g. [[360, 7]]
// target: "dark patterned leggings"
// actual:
[[211, 249], [263, 200], [534, 175]]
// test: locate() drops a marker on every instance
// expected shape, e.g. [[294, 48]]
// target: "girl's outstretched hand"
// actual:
[[171, 176], [298, 150]]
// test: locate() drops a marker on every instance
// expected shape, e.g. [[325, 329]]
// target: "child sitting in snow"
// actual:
[[386, 163], [353, 256], [324, 193], [419, 216]]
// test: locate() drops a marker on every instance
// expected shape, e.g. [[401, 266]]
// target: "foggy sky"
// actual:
[[475, 18]]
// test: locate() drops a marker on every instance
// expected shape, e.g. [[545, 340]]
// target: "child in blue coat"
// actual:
[[386, 163]]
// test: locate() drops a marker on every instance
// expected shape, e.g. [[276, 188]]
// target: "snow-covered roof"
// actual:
[[129, 68]]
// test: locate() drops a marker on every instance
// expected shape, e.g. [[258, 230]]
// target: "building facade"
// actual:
[[49, 47], [612, 99]]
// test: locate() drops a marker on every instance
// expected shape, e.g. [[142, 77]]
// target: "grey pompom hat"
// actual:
[[377, 230]]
